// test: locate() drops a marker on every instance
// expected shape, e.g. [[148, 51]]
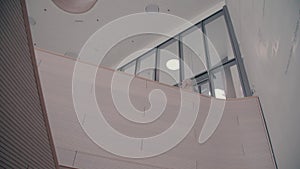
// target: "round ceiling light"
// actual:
[[75, 6], [173, 64]]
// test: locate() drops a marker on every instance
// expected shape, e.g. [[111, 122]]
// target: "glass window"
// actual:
[[130, 68], [204, 88], [236, 82], [218, 79], [208, 63], [146, 65], [226, 82], [202, 84], [168, 67], [219, 45], [193, 52]]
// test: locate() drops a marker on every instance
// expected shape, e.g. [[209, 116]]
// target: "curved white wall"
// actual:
[[268, 33]]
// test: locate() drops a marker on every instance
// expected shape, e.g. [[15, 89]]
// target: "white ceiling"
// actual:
[[61, 32]]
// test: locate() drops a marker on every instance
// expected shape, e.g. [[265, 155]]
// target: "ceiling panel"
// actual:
[[62, 32]]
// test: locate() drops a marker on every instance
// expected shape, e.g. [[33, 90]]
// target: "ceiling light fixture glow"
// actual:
[[173, 64]]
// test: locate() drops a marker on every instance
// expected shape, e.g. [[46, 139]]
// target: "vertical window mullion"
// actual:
[[181, 59], [208, 64], [156, 73], [137, 66]]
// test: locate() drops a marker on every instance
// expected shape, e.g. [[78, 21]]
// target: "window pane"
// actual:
[[146, 66], [226, 83], [204, 88], [202, 84], [169, 64], [219, 46], [236, 82], [130, 68], [218, 79], [193, 53]]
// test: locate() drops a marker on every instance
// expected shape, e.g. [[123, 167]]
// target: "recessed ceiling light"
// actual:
[[173, 64], [152, 8], [75, 6]]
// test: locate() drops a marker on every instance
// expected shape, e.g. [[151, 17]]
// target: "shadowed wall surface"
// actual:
[[25, 139]]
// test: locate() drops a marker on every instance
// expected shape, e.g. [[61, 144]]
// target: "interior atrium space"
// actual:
[[149, 84]]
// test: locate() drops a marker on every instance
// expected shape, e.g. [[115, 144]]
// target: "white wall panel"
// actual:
[[239, 140]]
